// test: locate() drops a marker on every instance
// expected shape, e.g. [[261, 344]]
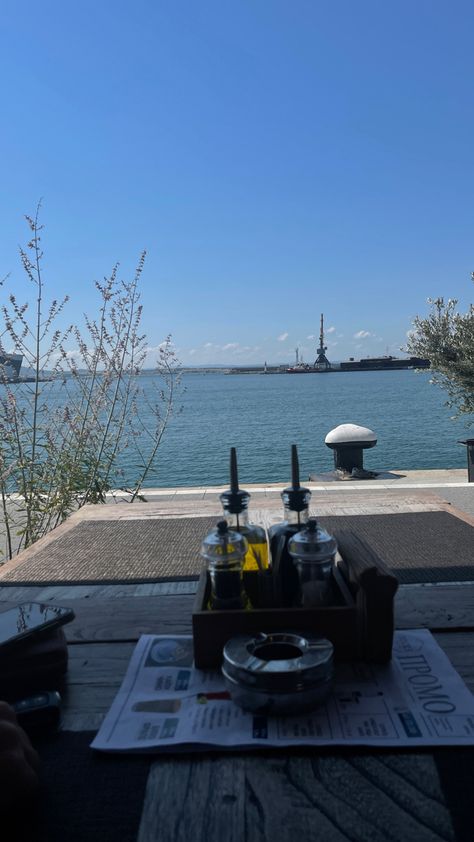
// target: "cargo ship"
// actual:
[[10, 365], [323, 366], [383, 364], [366, 364]]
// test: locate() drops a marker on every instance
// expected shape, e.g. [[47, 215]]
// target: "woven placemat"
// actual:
[[418, 546], [132, 551], [85, 796]]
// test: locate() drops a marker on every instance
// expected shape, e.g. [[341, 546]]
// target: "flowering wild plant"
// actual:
[[62, 432]]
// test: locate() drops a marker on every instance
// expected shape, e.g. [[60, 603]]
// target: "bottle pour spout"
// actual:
[[295, 468], [234, 500], [295, 496]]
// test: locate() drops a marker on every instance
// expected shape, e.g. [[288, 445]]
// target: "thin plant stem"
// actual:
[[62, 437]]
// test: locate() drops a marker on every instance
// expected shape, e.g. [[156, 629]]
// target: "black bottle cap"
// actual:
[[296, 496], [235, 500]]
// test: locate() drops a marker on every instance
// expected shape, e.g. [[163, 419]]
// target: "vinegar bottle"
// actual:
[[224, 552], [296, 512], [235, 503]]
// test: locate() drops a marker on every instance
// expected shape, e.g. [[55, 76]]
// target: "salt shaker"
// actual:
[[313, 552]]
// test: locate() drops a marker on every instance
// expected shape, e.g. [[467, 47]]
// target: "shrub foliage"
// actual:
[[446, 338], [63, 432]]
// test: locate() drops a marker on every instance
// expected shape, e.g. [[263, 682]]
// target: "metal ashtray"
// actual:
[[278, 673]]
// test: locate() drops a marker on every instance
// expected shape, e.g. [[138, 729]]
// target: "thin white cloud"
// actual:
[[248, 349], [73, 356], [282, 337], [362, 334], [311, 336], [213, 352], [331, 329], [155, 349]]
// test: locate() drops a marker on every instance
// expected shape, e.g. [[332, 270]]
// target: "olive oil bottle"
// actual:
[[235, 503], [296, 512]]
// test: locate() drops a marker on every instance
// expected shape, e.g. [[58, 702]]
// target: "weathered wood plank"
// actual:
[[16, 594], [440, 607], [94, 676], [125, 617], [459, 647], [435, 606], [98, 663], [61, 593], [302, 796]]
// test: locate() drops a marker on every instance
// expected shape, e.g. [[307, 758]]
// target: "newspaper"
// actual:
[[165, 704]]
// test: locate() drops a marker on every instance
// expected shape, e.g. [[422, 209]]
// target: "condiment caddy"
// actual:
[[334, 586]]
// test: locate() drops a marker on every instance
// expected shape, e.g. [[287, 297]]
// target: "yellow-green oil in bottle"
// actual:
[[256, 557]]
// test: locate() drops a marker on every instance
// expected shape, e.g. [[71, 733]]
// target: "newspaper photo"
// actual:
[[165, 704]]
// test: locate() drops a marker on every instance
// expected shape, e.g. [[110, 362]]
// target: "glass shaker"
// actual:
[[224, 552], [313, 552]]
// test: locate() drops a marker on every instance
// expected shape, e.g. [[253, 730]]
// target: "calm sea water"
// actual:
[[262, 416]]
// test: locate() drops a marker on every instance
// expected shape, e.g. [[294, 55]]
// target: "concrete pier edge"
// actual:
[[393, 480]]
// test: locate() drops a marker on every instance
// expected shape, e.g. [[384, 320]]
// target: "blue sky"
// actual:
[[277, 159]]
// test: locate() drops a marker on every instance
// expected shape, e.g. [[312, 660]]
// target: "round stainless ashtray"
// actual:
[[281, 673]]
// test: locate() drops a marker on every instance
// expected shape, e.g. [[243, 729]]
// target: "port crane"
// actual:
[[321, 362]]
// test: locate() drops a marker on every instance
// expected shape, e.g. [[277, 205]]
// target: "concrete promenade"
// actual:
[[450, 485]]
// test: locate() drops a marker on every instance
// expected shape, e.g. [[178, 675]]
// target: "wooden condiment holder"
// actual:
[[360, 623]]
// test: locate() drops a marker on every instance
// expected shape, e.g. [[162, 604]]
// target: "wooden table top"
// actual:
[[356, 795]]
